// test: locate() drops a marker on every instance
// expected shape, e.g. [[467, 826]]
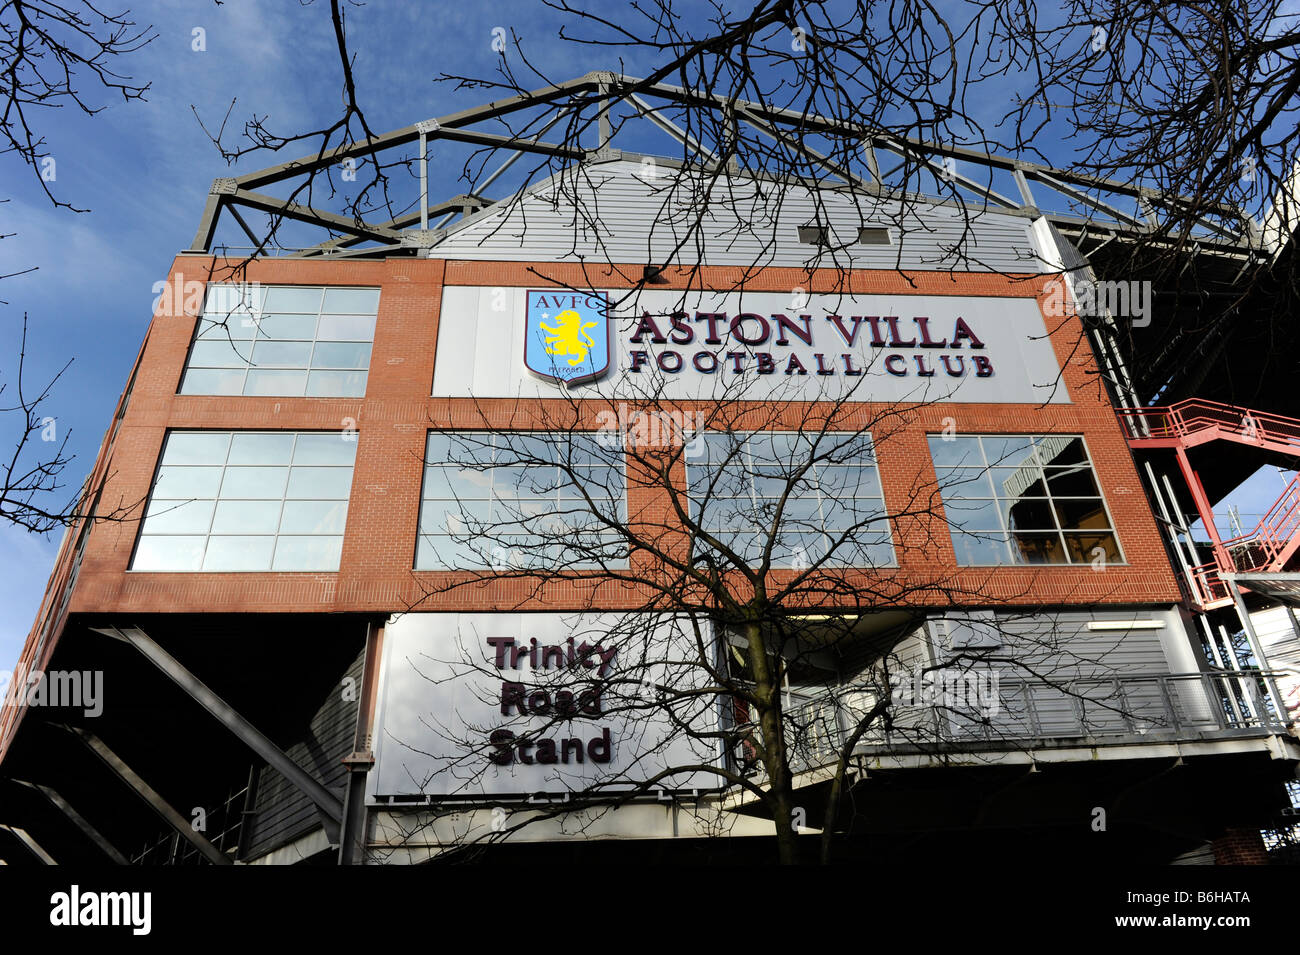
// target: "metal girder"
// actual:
[[329, 805], [301, 213], [77, 819], [207, 224], [599, 89], [671, 128], [179, 823], [823, 161], [409, 134], [1091, 201], [34, 847], [452, 206]]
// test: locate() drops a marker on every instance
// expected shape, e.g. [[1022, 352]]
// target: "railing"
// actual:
[[1116, 709], [1274, 537], [1208, 588], [223, 827], [1196, 414]]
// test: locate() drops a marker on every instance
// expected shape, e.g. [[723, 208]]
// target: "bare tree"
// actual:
[[52, 56]]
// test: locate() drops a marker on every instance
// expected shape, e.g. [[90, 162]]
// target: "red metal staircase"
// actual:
[[1194, 422]]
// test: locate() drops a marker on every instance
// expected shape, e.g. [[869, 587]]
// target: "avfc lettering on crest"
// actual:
[[567, 336]]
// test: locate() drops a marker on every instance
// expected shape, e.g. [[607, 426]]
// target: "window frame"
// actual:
[[751, 463], [1049, 498], [217, 500], [246, 365], [495, 435]]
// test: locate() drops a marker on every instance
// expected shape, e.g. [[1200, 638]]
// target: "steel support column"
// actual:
[[122, 771], [34, 847], [352, 835], [329, 805], [77, 819]]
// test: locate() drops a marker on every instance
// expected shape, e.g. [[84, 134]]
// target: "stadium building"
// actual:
[[247, 670]]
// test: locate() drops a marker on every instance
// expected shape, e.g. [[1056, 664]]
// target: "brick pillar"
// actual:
[[1240, 847]]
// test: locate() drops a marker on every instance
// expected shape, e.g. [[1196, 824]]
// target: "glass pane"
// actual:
[[1087, 548], [1032, 514], [253, 483], [974, 515], [1012, 483], [264, 382], [341, 355], [1081, 513], [1072, 482], [324, 447], [261, 448], [980, 549], [279, 354], [220, 354], [246, 517], [457, 483], [314, 517], [469, 447], [1009, 451], [955, 452], [336, 384], [169, 553], [848, 481], [963, 482], [178, 517], [235, 328], [184, 483], [196, 447], [205, 381], [320, 483], [457, 517], [307, 553], [225, 297], [286, 328], [361, 300], [440, 553], [1038, 548], [863, 552], [288, 298], [346, 328], [238, 553], [1061, 450]]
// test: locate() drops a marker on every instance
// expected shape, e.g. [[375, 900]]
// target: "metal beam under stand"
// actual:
[[329, 805], [149, 795], [77, 819], [352, 838], [34, 847]]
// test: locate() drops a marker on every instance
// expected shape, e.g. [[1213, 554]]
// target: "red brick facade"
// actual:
[[392, 419]]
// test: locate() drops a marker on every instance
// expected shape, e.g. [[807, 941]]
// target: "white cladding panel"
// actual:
[[481, 349], [622, 214], [451, 681]]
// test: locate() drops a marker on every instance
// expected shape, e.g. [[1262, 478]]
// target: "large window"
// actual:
[[1023, 499], [248, 500], [834, 510], [282, 340], [520, 500]]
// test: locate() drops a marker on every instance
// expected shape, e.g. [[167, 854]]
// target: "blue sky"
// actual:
[[143, 168]]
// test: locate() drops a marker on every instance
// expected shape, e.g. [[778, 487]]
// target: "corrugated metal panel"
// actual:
[[624, 216], [282, 812]]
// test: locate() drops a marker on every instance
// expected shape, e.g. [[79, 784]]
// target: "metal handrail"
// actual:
[[1143, 706]]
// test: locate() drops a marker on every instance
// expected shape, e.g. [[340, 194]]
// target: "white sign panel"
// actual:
[[473, 705], [756, 345]]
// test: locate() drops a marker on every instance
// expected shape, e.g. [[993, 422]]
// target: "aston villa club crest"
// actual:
[[566, 335]]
